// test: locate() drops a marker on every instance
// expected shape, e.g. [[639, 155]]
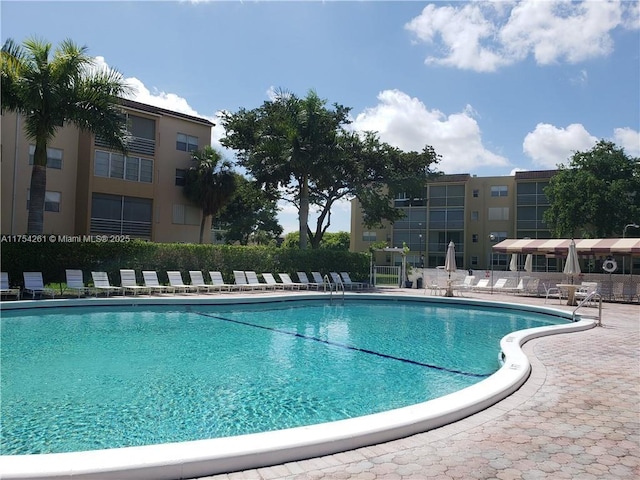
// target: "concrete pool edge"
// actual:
[[207, 457]]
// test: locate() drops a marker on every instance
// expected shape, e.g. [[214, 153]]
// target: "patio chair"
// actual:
[[585, 290], [218, 281], [240, 279], [272, 282], [302, 277], [75, 282], [5, 289], [482, 285], [337, 280], [34, 284], [318, 278], [175, 280], [150, 278], [551, 291], [129, 284], [346, 279], [287, 282], [466, 284], [253, 282], [197, 280], [101, 284]]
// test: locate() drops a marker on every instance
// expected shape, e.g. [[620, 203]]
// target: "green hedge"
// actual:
[[53, 258]]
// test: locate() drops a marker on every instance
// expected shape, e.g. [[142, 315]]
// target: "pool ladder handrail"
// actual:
[[593, 295], [338, 284]]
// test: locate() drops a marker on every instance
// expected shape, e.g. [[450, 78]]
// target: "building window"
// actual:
[[115, 165], [186, 143], [499, 191], [51, 201], [475, 215], [186, 214], [181, 175], [474, 260], [498, 213], [476, 193], [54, 157], [368, 236], [116, 214], [474, 238]]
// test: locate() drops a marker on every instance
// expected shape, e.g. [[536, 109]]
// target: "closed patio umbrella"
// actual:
[[528, 263], [513, 265], [450, 266], [572, 267]]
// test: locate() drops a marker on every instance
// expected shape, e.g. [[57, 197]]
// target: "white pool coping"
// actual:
[[200, 458]]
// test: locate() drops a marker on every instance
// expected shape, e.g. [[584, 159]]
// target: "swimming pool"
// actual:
[[286, 376]]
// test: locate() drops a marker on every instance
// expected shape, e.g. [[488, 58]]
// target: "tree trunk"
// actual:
[[303, 215], [202, 222], [37, 190]]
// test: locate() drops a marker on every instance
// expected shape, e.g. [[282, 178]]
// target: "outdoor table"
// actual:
[[571, 291]]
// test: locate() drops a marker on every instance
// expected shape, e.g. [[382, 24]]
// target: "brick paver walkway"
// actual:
[[577, 417]]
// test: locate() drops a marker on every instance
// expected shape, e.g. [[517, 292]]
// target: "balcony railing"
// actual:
[[105, 226]]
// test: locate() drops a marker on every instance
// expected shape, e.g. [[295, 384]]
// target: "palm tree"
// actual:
[[209, 183], [50, 89]]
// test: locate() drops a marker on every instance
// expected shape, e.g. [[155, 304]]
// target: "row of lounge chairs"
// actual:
[[243, 281]]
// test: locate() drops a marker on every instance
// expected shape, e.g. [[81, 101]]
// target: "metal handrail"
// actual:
[[586, 300]]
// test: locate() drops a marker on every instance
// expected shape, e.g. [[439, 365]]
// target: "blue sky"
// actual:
[[493, 86]]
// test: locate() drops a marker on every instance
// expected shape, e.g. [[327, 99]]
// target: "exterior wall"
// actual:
[[16, 177], [490, 208], [77, 181]]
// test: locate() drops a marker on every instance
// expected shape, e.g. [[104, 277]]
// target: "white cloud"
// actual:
[[628, 139], [549, 146], [484, 36], [406, 123]]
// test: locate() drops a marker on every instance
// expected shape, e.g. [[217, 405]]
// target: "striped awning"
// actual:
[[595, 246]]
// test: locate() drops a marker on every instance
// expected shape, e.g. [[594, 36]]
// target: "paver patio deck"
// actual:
[[576, 417]]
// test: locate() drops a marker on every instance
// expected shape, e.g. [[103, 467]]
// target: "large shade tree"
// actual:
[[250, 216], [596, 195], [304, 148], [49, 88], [209, 183]]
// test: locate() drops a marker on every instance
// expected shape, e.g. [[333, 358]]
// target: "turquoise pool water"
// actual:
[[85, 378]]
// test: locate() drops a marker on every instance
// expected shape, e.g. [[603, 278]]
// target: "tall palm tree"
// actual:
[[209, 183], [49, 88]]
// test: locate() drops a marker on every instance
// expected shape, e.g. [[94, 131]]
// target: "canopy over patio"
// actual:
[[560, 246]]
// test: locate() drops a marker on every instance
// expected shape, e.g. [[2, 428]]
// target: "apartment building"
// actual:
[[473, 212], [94, 190]]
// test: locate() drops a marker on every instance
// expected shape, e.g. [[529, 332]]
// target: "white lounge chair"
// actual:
[[584, 290], [218, 281], [5, 289], [101, 284], [466, 285], [151, 281], [336, 280], [302, 277], [129, 283], [346, 279], [317, 278], [271, 282], [482, 285], [197, 280], [241, 280], [34, 284], [175, 280], [253, 282], [287, 282], [75, 282]]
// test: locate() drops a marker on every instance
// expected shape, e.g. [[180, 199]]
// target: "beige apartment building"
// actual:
[[473, 212], [93, 190]]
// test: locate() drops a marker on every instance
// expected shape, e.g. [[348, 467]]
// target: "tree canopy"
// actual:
[[303, 150], [250, 215], [209, 183], [49, 88], [596, 195]]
